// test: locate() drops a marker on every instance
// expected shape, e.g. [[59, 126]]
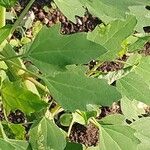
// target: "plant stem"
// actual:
[[41, 86], [21, 17], [2, 16], [13, 57]]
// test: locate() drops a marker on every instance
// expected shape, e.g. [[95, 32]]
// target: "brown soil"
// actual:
[[52, 16], [16, 117], [114, 109], [109, 66], [84, 135]]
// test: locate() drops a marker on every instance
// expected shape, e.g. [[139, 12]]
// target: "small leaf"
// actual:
[[45, 135], [65, 119], [16, 97], [4, 33]]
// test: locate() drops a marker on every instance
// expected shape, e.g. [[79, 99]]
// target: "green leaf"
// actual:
[[51, 50], [142, 132], [108, 10], [142, 16], [75, 91], [19, 144], [7, 3], [13, 144], [138, 44], [6, 145], [4, 33], [130, 109], [120, 137], [113, 119], [73, 146], [18, 130], [133, 59], [112, 35], [143, 69], [65, 119], [16, 97], [134, 87], [46, 135], [65, 7]]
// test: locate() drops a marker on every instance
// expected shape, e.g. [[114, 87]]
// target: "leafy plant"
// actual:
[[47, 88]]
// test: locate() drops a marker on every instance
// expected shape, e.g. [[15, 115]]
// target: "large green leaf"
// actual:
[[134, 86], [7, 3], [16, 97], [108, 10], [143, 133], [112, 35], [66, 7], [118, 137], [50, 48], [74, 90], [45, 135]]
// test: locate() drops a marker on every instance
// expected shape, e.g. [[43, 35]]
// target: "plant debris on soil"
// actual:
[[89, 136]]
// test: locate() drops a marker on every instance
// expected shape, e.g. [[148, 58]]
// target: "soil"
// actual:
[[114, 109], [84, 135], [16, 117], [108, 66]]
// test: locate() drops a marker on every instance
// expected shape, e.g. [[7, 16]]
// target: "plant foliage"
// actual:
[[46, 86]]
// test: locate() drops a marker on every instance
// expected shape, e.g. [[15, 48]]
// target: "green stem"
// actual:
[[21, 17], [13, 57], [41, 86], [2, 16]]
